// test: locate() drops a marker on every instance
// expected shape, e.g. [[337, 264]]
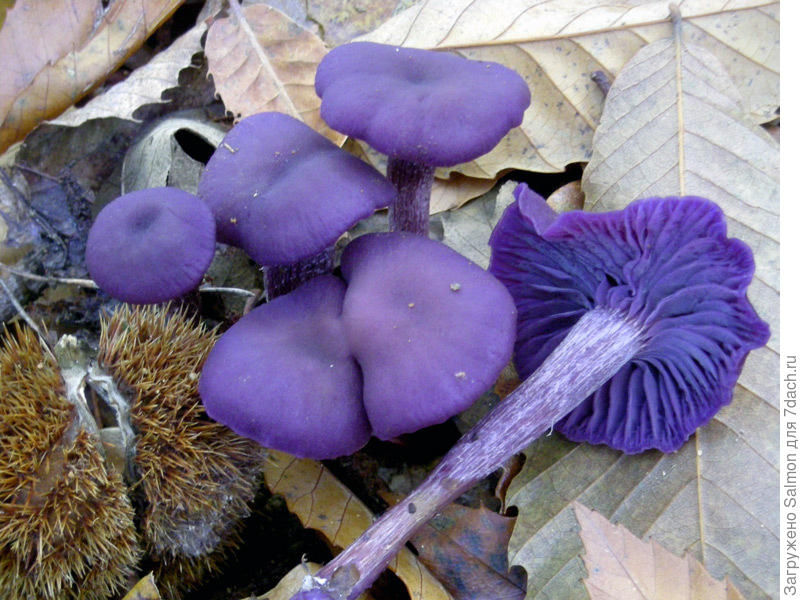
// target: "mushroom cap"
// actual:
[[151, 245], [283, 375], [666, 264], [419, 105], [430, 329], [283, 192]]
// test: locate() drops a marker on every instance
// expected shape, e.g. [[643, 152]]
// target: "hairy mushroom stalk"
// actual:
[[423, 109], [633, 327]]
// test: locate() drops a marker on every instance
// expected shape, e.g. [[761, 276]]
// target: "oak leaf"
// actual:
[[53, 53]]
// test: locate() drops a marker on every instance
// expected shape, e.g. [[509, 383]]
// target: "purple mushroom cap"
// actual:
[[416, 336], [283, 192], [430, 329], [664, 263], [151, 245], [283, 375], [418, 105]]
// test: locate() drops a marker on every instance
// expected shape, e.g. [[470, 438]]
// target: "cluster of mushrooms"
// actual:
[[629, 328]]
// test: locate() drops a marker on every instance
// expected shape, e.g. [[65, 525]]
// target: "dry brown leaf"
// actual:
[[623, 567], [52, 54], [342, 20], [557, 45], [321, 502], [456, 190], [568, 197], [145, 589], [144, 85], [466, 547], [261, 60]]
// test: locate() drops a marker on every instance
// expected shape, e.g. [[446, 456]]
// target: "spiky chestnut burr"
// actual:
[[193, 477], [66, 524]]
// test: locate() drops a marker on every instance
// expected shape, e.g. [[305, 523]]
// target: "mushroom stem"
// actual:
[[597, 346], [280, 280], [413, 182]]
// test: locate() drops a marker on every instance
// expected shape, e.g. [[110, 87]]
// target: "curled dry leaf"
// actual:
[[557, 45], [145, 589], [261, 60], [620, 565], [466, 548], [144, 85], [52, 54], [321, 502]]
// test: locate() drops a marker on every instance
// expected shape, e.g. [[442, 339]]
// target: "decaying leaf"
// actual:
[[321, 502], [467, 229], [620, 565], [144, 85], [157, 158], [466, 549], [145, 589], [568, 197], [557, 45], [261, 60], [456, 190], [52, 54], [342, 20]]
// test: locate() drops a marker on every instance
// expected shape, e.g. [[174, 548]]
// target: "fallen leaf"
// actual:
[[457, 190], [466, 549], [145, 589], [557, 45], [623, 567], [342, 20], [52, 54], [4, 6], [261, 60], [568, 197], [157, 158], [322, 503], [144, 85], [467, 229], [713, 498]]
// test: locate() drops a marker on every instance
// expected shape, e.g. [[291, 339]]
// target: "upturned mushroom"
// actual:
[[151, 245], [284, 193], [318, 371], [633, 328], [421, 108]]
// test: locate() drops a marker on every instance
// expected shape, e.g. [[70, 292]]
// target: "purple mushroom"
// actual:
[[421, 108], [285, 193], [637, 325], [663, 265], [319, 370], [151, 245], [284, 376]]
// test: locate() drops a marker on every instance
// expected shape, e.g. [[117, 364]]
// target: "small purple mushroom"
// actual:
[[429, 328], [421, 108], [151, 245], [285, 193], [637, 325], [319, 370], [283, 375]]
